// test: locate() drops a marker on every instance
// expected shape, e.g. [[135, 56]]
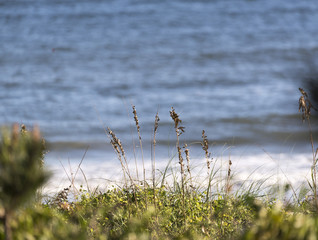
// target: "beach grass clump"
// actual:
[[115, 215]]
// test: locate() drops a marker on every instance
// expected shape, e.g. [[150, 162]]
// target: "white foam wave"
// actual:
[[274, 168]]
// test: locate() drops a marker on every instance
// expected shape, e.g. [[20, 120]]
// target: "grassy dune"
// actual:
[[157, 208]]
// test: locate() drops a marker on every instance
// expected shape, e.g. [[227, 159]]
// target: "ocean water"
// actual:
[[231, 68]]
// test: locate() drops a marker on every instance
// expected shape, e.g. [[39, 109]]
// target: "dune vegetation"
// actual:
[[180, 208]]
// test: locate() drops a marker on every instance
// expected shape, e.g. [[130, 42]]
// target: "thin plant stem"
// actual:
[[141, 149], [133, 143], [157, 119], [228, 178], [186, 151]]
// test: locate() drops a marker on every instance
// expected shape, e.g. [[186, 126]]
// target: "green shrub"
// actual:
[[38, 222], [277, 224], [21, 170]]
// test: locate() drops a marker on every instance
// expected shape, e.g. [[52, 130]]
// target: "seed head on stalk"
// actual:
[[177, 121], [205, 147], [305, 105]]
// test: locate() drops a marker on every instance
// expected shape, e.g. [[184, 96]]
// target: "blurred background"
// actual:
[[232, 68]]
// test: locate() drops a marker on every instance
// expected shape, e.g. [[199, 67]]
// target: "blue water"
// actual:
[[232, 68]]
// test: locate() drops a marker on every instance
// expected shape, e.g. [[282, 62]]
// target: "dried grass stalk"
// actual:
[[140, 143], [119, 149], [157, 119], [179, 130], [305, 107], [205, 147]]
